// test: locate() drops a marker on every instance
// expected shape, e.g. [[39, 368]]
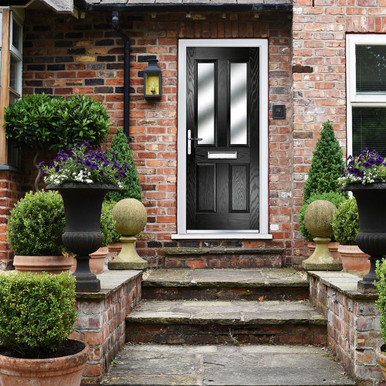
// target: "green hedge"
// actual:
[[36, 225], [37, 312]]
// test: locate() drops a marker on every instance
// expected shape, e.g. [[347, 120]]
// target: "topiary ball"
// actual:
[[130, 217], [318, 218]]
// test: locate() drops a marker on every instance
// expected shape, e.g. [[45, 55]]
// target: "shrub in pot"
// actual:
[[43, 123], [326, 165], [346, 226], [380, 285], [34, 232], [37, 314], [131, 188]]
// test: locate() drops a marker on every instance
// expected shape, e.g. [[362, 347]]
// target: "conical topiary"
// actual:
[[326, 166], [131, 186]]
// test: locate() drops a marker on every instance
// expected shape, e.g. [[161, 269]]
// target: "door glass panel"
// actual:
[[371, 69], [205, 103], [238, 102]]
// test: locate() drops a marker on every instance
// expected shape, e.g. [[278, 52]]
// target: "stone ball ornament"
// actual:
[[318, 218], [130, 217]]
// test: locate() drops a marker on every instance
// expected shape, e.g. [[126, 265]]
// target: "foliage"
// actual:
[[36, 225], [334, 197], [45, 123], [107, 224], [131, 187], [380, 285], [82, 164], [346, 222], [37, 312], [366, 168], [326, 165]]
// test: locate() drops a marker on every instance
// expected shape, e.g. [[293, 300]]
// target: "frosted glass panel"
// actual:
[[238, 103], [205, 103]]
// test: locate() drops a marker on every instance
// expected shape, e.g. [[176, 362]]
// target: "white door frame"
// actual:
[[182, 232]]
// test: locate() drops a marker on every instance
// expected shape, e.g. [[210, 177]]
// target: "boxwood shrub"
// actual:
[[37, 312], [108, 230], [380, 285], [346, 222], [36, 225]]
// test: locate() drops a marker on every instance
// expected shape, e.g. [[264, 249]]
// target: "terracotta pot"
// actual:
[[115, 248], [97, 260], [39, 264], [354, 260], [380, 356], [60, 371], [332, 247]]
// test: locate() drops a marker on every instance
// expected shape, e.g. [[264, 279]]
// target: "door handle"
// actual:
[[190, 139]]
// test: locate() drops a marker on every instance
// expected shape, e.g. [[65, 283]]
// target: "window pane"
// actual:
[[371, 69], [239, 104], [17, 36], [205, 103], [369, 129], [15, 74]]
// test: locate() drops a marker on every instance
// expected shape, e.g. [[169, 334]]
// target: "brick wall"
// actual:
[[353, 329], [319, 73], [101, 320], [63, 55], [10, 191]]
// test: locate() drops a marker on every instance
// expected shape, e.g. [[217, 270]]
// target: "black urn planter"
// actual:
[[82, 208], [371, 239]]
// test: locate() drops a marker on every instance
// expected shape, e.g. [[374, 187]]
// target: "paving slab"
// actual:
[[237, 312], [225, 365], [226, 277]]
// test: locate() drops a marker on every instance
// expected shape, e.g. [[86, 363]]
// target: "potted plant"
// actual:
[[334, 197], [365, 176], [43, 123], [326, 165], [83, 176], [34, 232], [110, 236], [346, 226], [380, 284], [131, 187], [37, 314]]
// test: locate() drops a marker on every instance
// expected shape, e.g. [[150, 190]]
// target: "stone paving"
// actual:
[[225, 365]]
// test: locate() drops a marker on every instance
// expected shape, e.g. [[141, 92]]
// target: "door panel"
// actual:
[[222, 122]]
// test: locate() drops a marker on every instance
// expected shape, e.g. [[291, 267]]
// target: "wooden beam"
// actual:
[[4, 82]]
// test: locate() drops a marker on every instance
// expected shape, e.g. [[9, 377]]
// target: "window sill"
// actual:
[[222, 235], [10, 168]]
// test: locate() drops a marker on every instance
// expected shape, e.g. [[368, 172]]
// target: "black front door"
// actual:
[[222, 138]]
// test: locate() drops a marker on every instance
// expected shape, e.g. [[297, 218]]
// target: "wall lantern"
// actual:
[[152, 80]]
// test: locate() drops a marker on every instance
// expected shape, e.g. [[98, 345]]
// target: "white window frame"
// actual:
[[17, 54], [263, 232], [354, 99]]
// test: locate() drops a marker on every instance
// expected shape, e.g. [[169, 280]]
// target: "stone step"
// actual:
[[225, 365], [225, 322], [221, 257], [225, 284]]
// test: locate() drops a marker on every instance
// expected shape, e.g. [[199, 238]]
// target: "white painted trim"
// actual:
[[353, 99], [221, 236], [183, 44]]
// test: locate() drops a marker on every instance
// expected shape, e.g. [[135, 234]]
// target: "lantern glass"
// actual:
[[152, 85], [152, 80]]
